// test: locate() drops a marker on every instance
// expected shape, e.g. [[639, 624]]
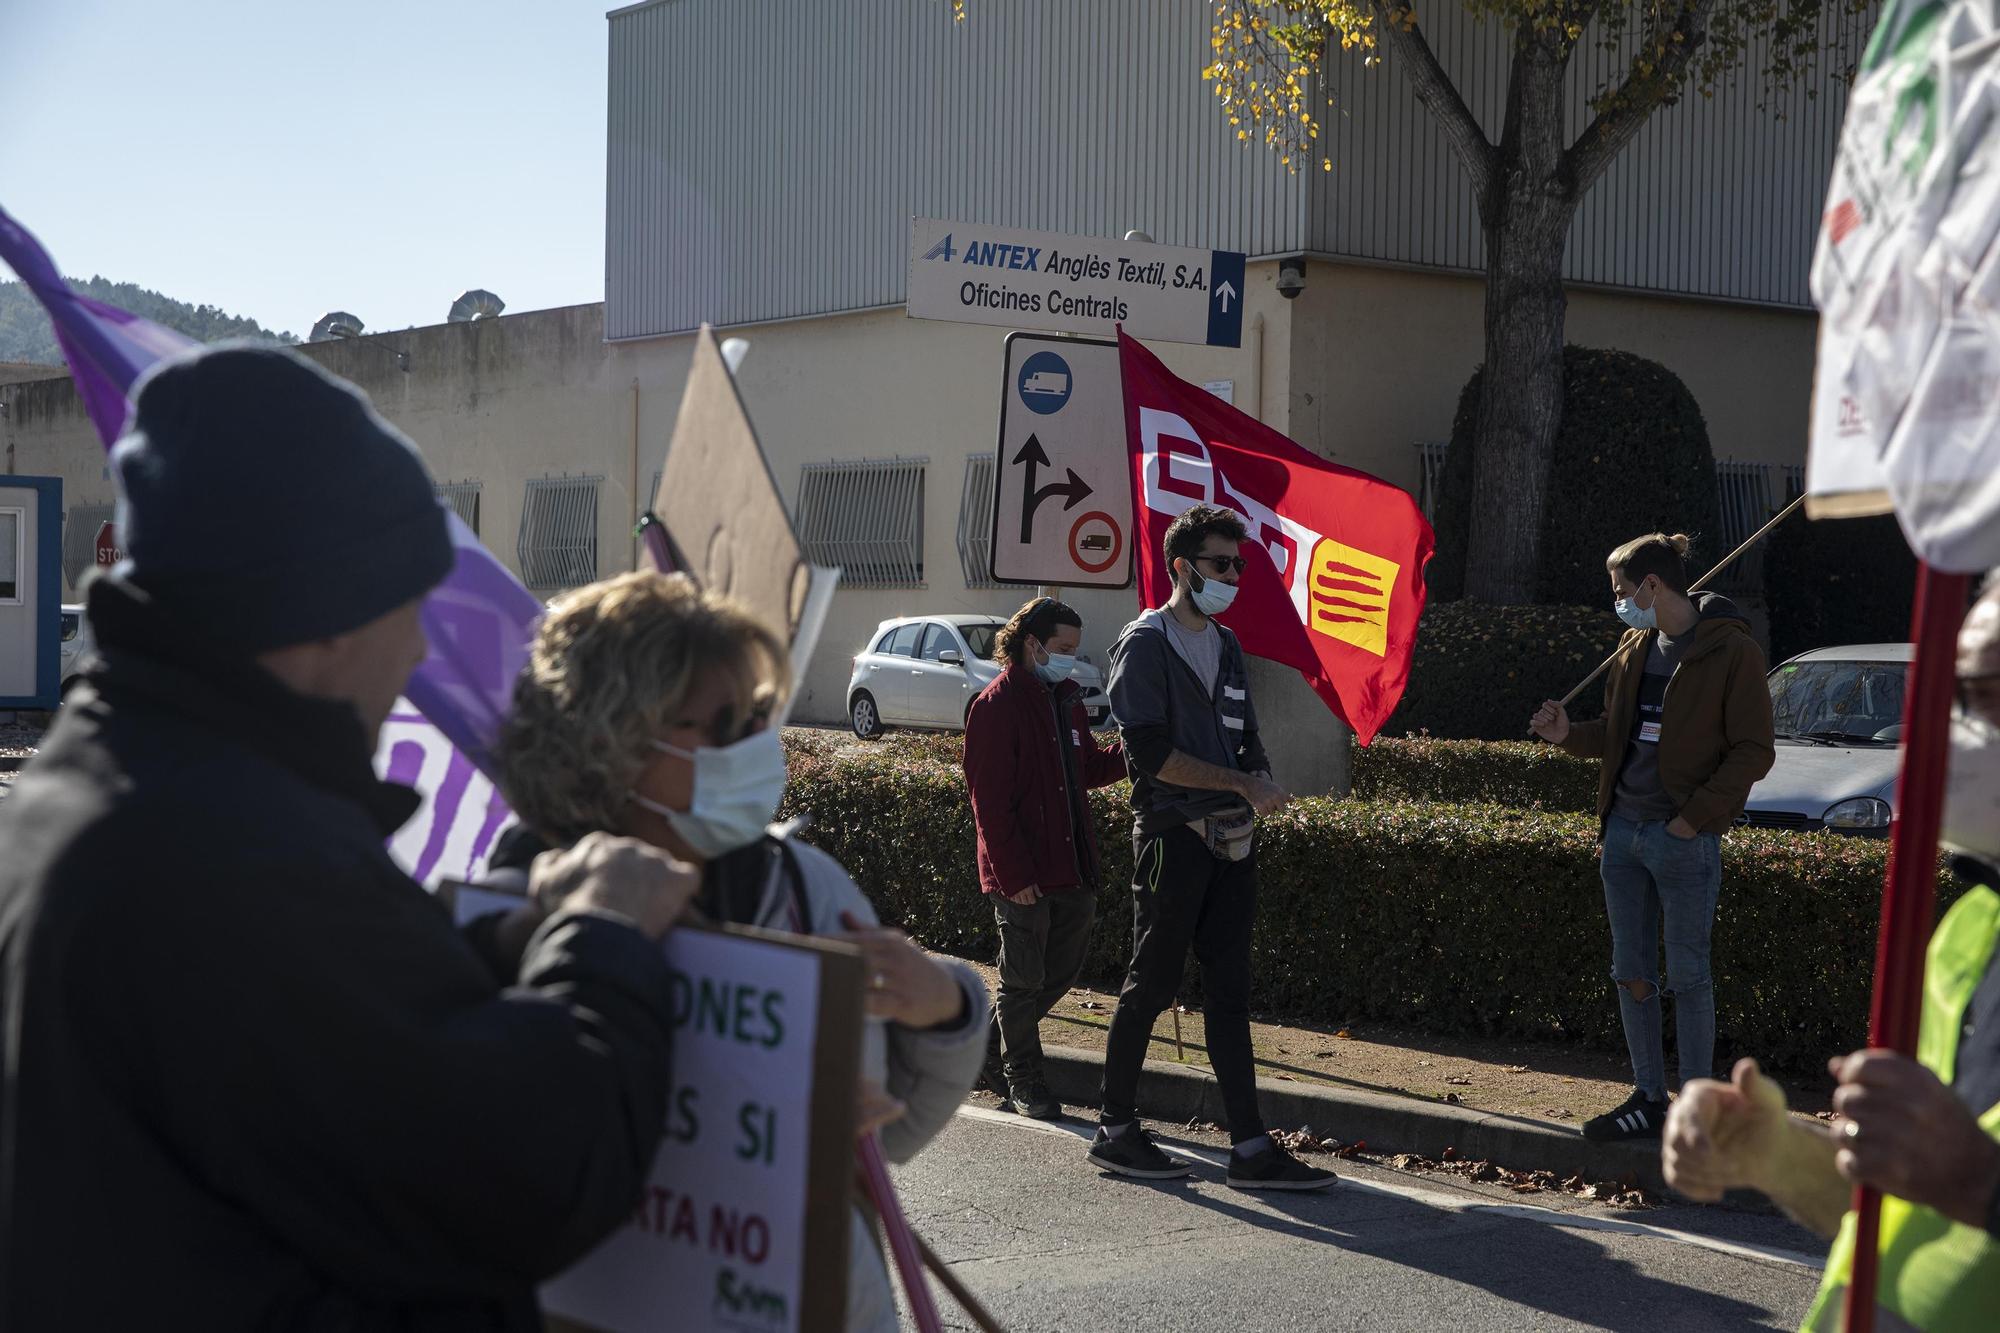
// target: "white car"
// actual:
[[925, 671], [1838, 713], [77, 645]]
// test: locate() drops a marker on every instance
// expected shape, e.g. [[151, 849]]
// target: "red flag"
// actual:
[[1335, 582]]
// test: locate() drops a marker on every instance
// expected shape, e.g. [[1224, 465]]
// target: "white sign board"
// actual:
[[975, 274], [1062, 510], [746, 1209]]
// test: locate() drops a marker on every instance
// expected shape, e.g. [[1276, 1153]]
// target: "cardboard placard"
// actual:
[[744, 1221]]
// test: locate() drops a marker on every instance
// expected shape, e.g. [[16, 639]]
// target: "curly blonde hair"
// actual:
[[611, 666]]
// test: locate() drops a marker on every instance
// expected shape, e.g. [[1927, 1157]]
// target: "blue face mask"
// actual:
[[1057, 669], [1211, 596], [736, 793], [1629, 611]]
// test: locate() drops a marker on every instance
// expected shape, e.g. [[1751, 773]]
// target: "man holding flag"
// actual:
[[1316, 566]]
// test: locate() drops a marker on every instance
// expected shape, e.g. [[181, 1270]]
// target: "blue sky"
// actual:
[[284, 158]]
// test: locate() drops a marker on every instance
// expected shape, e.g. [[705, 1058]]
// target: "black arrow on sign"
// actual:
[[1033, 456]]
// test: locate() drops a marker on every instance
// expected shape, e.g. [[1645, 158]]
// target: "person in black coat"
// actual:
[[254, 1078]]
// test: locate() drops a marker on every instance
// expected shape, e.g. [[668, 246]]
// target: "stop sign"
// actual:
[[107, 545]]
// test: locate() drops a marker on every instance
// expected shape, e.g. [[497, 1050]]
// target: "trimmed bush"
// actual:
[[1479, 672], [1631, 457], [1838, 581], [1525, 775], [1468, 919]]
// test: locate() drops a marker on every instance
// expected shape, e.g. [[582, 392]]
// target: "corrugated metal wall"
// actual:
[[1714, 198], [765, 157]]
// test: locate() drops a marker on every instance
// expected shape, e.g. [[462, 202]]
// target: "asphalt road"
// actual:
[[1049, 1242]]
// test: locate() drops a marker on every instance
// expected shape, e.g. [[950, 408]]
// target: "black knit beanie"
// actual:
[[264, 502]]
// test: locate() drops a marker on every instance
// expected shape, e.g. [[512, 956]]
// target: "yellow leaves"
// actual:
[[1326, 165], [1241, 134]]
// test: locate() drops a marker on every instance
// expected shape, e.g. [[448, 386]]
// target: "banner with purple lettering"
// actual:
[[480, 619]]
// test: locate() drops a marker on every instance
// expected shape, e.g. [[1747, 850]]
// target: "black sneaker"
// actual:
[[1273, 1168], [1031, 1097], [1133, 1153], [1639, 1118]]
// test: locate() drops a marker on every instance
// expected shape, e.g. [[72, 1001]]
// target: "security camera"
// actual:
[[1292, 277]]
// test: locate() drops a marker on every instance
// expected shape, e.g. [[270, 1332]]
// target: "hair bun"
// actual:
[[1679, 541]]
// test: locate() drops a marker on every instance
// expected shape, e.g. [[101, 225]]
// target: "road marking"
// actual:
[[1457, 1203]]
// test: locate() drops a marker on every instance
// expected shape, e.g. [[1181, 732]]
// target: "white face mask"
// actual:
[[736, 793], [1058, 668], [1972, 789]]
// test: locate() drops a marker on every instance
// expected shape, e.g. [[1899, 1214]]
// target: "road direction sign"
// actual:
[[1047, 280], [1062, 509]]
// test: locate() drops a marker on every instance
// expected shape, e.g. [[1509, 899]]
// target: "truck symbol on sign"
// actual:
[[1097, 541], [1049, 382]]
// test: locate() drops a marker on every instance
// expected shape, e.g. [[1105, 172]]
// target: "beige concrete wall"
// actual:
[[1382, 355]]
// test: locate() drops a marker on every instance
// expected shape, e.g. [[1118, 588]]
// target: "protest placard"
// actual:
[[743, 1224]]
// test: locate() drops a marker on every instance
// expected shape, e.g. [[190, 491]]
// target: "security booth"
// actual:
[[30, 591]]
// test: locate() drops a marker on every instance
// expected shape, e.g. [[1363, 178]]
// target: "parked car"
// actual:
[[925, 671], [77, 645], [1838, 714]]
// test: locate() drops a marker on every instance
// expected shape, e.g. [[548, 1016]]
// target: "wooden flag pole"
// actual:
[[1694, 588]]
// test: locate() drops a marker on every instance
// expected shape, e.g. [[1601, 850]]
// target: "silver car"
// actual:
[[1839, 720], [925, 671]]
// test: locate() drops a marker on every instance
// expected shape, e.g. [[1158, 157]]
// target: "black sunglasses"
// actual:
[[1223, 563]]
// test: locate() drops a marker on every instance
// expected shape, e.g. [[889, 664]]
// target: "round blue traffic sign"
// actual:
[[1044, 383]]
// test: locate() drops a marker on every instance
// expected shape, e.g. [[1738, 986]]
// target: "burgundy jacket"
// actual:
[[1021, 797]]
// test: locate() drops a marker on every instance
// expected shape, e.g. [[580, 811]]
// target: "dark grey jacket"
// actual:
[[1161, 706]]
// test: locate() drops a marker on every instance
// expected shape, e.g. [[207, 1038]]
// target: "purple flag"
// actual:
[[480, 619]]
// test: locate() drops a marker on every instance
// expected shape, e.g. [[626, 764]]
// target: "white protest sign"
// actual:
[[1062, 502], [972, 273], [743, 1222]]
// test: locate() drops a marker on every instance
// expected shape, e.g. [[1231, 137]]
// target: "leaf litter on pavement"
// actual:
[[1626, 1193]]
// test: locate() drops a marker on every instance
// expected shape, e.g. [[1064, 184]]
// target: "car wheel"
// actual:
[[863, 717]]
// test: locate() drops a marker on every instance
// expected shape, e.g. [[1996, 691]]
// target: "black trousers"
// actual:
[[1041, 951], [1183, 897]]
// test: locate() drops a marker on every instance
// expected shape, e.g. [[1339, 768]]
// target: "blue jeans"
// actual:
[[1649, 874]]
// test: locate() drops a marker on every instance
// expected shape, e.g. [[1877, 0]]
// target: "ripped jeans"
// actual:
[[1650, 874]]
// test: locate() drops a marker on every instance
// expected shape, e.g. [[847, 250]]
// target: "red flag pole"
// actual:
[[1909, 898]]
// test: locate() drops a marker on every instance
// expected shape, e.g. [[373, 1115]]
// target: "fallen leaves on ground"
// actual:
[[1459, 1081], [1623, 1193]]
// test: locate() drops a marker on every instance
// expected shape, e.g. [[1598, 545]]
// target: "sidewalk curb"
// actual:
[[1179, 1093]]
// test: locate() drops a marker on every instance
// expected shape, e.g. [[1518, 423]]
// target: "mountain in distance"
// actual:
[[26, 335]]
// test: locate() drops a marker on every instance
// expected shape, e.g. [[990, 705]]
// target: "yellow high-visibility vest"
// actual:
[[1935, 1274]]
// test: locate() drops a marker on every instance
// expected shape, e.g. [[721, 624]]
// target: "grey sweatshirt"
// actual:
[[1161, 706]]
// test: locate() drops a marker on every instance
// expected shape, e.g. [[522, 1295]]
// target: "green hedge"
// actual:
[[1479, 672], [1460, 918], [1526, 774], [1521, 774], [1631, 456]]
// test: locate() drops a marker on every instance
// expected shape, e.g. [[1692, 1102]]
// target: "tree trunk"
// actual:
[[1526, 217]]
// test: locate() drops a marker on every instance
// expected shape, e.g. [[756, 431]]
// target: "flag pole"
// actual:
[[1694, 588], [1909, 897]]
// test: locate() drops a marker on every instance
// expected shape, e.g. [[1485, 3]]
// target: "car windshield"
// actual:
[[979, 638], [1844, 702]]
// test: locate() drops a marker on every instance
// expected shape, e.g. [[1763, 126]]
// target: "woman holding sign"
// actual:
[[646, 708]]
